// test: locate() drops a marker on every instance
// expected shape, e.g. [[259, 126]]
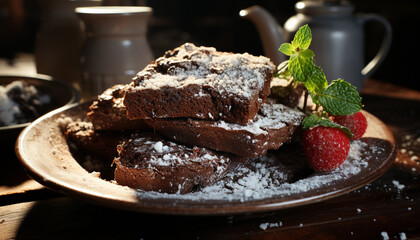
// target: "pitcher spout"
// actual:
[[271, 33]]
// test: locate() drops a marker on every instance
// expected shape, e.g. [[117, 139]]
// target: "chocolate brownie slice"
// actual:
[[274, 125], [108, 112], [200, 82], [101, 144], [288, 94], [153, 164]]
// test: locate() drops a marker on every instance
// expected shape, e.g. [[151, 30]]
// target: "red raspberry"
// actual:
[[356, 123], [325, 148]]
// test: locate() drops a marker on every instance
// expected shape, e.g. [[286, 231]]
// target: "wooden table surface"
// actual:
[[387, 208]]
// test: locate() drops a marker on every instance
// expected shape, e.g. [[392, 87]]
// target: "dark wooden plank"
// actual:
[[15, 184]]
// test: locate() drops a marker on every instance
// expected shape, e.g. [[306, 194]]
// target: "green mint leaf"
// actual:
[[303, 38], [340, 98], [304, 70], [313, 121], [301, 68], [307, 53], [317, 80], [287, 49]]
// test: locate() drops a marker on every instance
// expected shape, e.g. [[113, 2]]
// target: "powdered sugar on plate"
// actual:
[[384, 235], [266, 225], [266, 177]]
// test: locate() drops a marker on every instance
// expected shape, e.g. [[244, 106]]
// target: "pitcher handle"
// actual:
[[373, 65]]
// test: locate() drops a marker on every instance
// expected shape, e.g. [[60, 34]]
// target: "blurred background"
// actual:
[[217, 23]]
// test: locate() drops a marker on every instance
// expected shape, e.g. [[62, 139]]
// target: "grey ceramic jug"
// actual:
[[337, 37], [116, 47]]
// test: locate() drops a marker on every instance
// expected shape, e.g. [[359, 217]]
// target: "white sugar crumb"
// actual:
[[384, 235], [271, 225], [266, 225], [403, 236], [158, 146], [226, 73], [264, 178], [166, 153], [271, 116], [358, 210], [398, 185]]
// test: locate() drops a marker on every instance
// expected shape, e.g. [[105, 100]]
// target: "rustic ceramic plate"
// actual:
[[44, 152]]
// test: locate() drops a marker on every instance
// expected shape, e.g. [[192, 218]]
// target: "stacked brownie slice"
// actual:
[[200, 82], [205, 109]]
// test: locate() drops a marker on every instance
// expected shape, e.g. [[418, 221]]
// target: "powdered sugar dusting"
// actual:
[[227, 73], [271, 116], [167, 153], [263, 179]]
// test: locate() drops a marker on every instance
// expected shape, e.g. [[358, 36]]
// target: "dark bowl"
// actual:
[[61, 94]]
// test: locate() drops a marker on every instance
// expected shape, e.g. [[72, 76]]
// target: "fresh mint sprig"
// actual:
[[337, 98], [301, 63]]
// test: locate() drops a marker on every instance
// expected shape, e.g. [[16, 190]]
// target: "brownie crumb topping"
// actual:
[[113, 96]]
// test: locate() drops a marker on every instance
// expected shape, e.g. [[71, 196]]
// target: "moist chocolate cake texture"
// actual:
[[203, 104], [200, 82], [274, 125]]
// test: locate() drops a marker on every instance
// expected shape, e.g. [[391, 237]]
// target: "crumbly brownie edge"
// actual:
[[99, 144], [191, 101], [108, 111], [113, 119]]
